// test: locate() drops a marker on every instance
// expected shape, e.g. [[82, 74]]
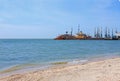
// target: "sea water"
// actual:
[[31, 52]]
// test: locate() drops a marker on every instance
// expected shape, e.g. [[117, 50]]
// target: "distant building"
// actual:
[[117, 35]]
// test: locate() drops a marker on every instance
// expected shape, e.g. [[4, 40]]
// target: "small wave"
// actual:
[[78, 61], [58, 63]]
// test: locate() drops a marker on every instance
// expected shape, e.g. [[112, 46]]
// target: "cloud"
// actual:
[[57, 15]]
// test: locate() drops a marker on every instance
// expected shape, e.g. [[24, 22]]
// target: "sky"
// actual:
[[50, 18]]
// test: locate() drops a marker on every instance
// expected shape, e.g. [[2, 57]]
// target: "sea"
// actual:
[[16, 54]]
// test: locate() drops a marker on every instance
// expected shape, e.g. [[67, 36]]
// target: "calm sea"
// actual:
[[15, 52]]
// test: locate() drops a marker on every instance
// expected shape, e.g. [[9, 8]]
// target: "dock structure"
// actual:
[[98, 35], [116, 36]]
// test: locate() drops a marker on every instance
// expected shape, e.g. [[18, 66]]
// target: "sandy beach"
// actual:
[[105, 70]]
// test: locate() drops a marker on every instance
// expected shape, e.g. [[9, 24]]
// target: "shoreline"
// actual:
[[25, 68], [78, 72]]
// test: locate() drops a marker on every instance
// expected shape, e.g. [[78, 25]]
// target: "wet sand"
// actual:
[[105, 70]]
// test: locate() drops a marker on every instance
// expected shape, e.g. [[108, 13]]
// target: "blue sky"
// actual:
[[49, 18]]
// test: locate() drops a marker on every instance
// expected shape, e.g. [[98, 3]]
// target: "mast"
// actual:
[[98, 33], [101, 32], [71, 31], [116, 31], [112, 33], [78, 28], [95, 32], [106, 35]]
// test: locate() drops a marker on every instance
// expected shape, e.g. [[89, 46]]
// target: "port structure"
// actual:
[[98, 35]]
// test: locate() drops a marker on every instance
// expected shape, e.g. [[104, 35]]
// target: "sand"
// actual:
[[106, 70]]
